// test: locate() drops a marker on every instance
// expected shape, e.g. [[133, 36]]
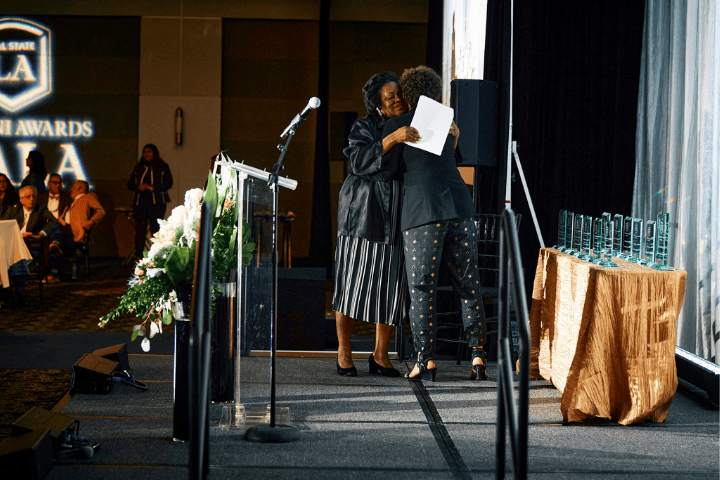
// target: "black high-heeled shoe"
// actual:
[[346, 372], [425, 373], [479, 372], [384, 371]]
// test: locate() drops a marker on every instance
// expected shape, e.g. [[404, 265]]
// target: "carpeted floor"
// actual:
[[73, 306], [76, 306], [23, 389], [67, 306]]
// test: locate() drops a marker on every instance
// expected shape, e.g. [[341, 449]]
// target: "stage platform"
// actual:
[[374, 427]]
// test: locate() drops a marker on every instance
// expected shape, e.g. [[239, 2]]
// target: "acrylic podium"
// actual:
[[256, 304]]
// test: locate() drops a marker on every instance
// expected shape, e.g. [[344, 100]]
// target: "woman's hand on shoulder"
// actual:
[[455, 132], [406, 134], [401, 135]]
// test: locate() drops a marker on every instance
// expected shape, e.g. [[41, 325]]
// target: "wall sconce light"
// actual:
[[179, 126]]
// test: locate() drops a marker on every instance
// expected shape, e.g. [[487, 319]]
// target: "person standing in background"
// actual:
[[35, 161], [150, 180]]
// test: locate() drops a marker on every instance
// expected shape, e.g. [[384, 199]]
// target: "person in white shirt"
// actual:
[[35, 222], [56, 201]]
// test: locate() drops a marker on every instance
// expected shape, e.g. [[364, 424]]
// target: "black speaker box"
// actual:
[[301, 309], [116, 353], [476, 108], [27, 456], [38, 419], [93, 374]]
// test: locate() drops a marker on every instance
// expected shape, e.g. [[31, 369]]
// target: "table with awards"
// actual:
[[603, 328]]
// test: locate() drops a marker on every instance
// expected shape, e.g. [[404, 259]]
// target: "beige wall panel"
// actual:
[[201, 57], [189, 162], [160, 50]]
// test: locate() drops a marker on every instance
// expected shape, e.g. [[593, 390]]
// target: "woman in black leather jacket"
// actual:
[[370, 282]]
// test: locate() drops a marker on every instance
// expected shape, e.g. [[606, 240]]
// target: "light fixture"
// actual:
[[179, 126]]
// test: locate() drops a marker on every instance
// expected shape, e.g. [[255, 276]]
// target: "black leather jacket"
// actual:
[[363, 206]]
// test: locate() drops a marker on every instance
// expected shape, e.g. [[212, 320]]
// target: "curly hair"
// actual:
[[372, 88], [418, 81]]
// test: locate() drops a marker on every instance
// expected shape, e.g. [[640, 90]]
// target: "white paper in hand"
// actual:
[[432, 119]]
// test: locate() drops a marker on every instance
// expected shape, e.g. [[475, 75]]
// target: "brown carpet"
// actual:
[[68, 306]]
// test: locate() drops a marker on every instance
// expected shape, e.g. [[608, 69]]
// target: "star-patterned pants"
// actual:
[[453, 242]]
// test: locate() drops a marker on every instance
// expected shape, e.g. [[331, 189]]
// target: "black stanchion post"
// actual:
[[200, 350]]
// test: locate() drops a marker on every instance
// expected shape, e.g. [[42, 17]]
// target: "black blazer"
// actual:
[[433, 187], [40, 219], [65, 201]]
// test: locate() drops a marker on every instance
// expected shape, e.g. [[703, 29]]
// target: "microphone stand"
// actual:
[[274, 433]]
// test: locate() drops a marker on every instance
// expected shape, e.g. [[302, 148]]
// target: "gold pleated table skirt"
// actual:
[[605, 337]]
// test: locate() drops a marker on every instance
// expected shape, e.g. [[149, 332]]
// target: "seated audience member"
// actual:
[[35, 222], [84, 213], [56, 201], [8, 195]]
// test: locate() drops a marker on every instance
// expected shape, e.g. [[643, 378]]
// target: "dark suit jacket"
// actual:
[[40, 219], [433, 187], [65, 201]]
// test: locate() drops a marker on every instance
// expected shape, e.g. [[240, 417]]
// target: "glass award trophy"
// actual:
[[586, 239], [562, 226], [577, 235], [607, 241], [597, 240], [569, 231], [662, 242], [650, 233], [636, 242], [617, 234], [626, 248]]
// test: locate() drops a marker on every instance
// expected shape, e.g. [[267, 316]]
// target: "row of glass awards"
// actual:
[[615, 237]]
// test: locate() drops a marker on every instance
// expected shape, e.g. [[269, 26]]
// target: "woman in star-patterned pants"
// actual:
[[453, 242]]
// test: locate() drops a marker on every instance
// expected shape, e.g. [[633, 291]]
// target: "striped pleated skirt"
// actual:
[[370, 279]]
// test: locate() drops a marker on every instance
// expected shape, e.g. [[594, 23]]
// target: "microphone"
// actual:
[[86, 451], [313, 103]]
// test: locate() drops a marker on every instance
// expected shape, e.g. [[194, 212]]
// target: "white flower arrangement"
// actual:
[[151, 295]]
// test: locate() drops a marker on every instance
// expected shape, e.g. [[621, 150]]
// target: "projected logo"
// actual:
[[25, 67]]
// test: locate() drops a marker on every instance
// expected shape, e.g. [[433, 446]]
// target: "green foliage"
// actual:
[[179, 265], [171, 261]]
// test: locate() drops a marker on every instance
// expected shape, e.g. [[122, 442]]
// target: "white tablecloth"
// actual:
[[12, 249]]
